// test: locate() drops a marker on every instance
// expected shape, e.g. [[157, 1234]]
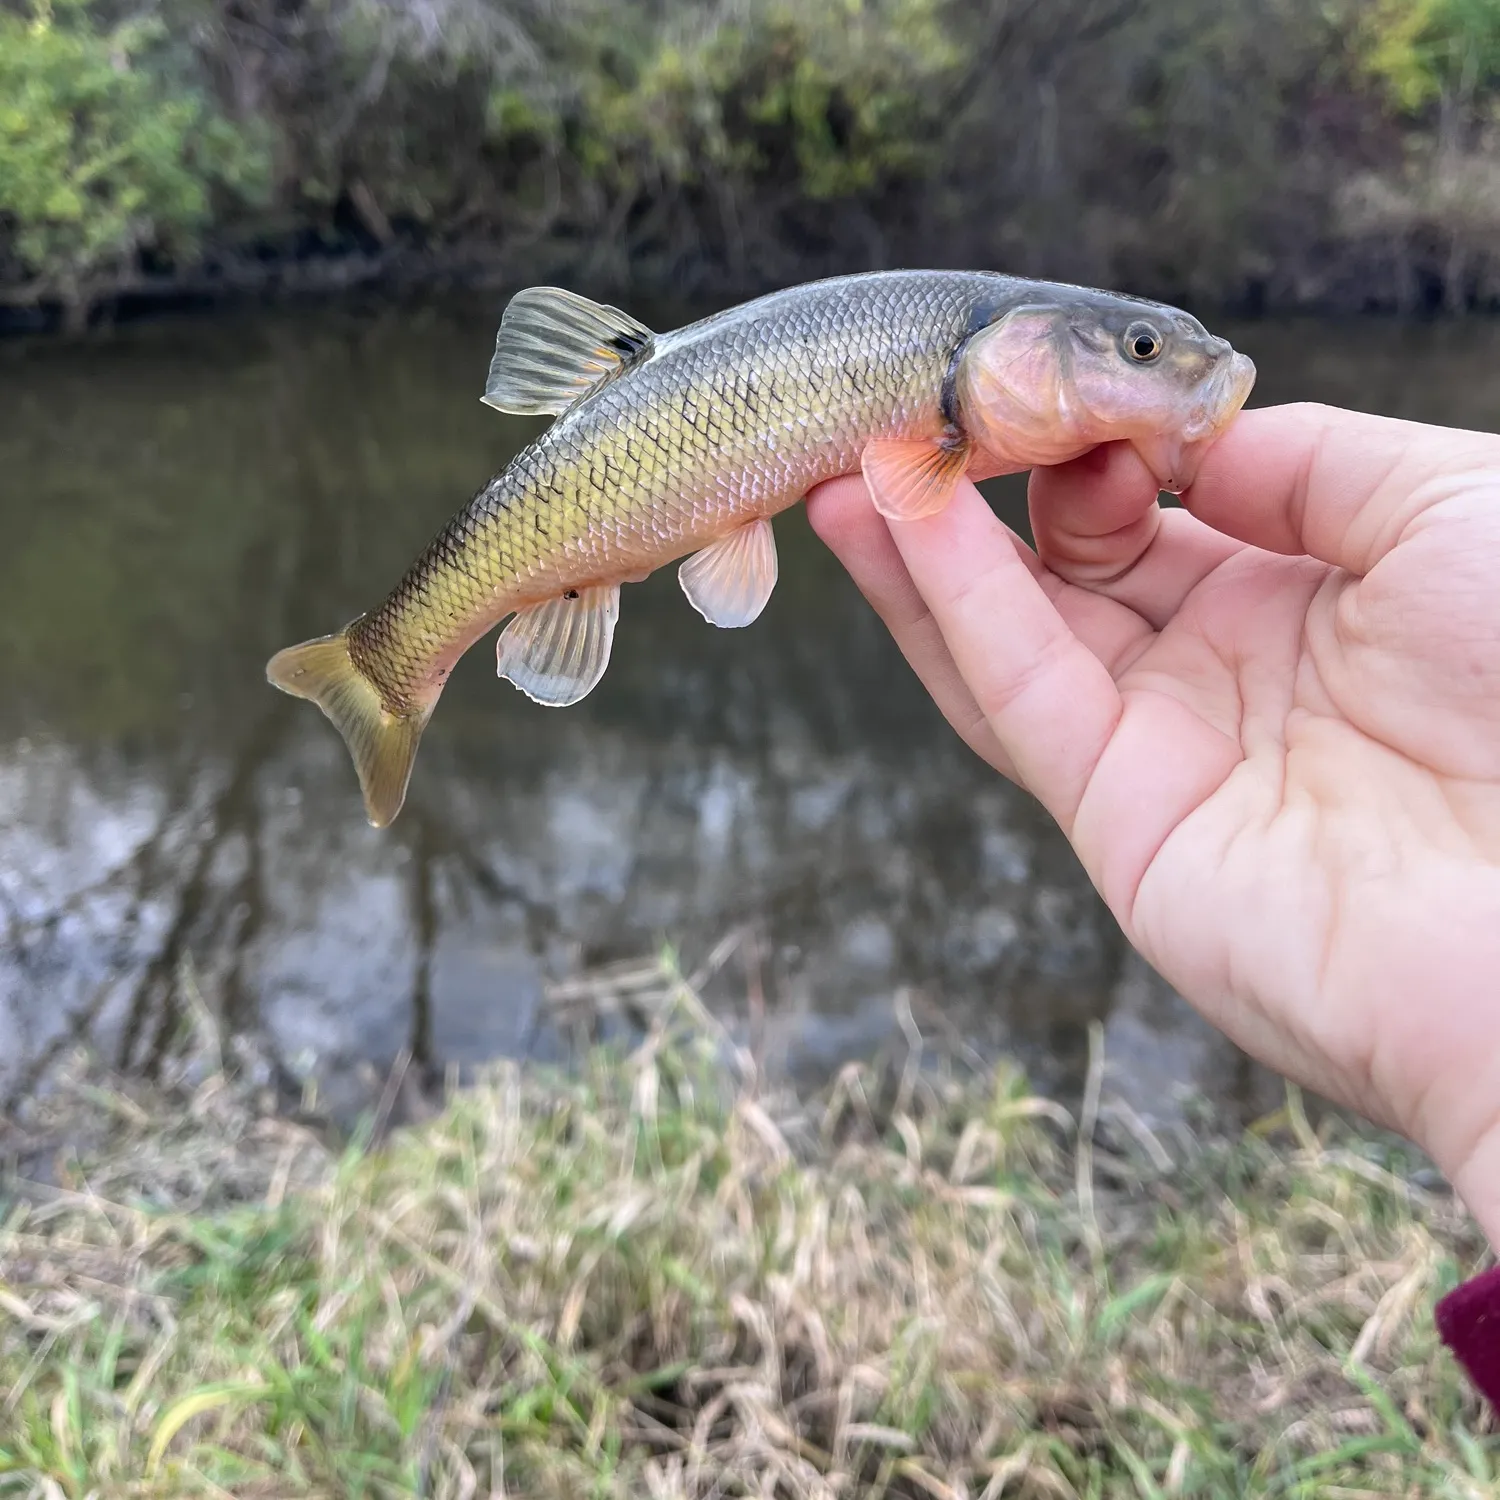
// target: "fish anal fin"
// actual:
[[383, 745], [909, 478], [556, 651], [730, 581], [554, 347]]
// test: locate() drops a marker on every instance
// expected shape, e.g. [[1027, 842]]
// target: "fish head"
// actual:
[[1046, 382]]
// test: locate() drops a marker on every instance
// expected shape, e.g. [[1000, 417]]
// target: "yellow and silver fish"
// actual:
[[687, 443]]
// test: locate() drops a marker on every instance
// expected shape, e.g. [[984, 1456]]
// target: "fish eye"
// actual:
[[1142, 342]]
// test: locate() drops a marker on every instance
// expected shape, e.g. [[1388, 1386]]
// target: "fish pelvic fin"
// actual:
[[555, 347], [383, 745], [729, 582]]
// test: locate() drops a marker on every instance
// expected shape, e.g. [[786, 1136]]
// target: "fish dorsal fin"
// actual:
[[913, 477], [555, 347], [730, 582], [556, 652]]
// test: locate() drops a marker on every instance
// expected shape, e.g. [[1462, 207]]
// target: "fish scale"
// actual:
[[687, 442]]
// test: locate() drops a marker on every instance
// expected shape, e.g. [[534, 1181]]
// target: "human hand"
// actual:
[[1269, 723]]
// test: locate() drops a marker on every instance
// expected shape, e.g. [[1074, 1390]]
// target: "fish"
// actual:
[[684, 445]]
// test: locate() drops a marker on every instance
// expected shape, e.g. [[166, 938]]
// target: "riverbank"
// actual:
[[653, 1277], [1302, 154]]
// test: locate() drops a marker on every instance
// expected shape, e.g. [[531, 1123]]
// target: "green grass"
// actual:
[[651, 1279]]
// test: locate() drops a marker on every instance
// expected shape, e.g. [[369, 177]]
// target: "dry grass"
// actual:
[[651, 1278]]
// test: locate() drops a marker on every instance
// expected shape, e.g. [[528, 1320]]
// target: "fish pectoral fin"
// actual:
[[913, 477], [554, 347], [729, 583], [557, 651]]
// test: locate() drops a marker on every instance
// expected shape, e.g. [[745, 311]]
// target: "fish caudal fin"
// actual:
[[383, 744]]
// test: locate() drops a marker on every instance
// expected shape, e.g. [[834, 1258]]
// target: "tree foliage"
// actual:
[[104, 149], [1424, 51], [1289, 151]]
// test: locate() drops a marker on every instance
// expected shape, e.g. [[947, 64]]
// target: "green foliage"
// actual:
[[863, 98], [836, 98], [102, 150], [1185, 148], [1424, 50]]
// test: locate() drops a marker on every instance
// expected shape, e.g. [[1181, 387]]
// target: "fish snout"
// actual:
[[1174, 458], [1221, 395]]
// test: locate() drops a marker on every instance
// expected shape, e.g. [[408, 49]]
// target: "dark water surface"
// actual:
[[179, 500]]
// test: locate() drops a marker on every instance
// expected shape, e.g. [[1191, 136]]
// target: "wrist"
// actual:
[[1476, 1180]]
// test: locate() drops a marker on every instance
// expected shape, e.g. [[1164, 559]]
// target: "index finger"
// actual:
[[1340, 486]]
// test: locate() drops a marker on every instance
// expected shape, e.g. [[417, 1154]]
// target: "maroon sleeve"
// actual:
[[1468, 1318]]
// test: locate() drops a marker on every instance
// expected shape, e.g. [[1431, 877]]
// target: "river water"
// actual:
[[180, 499]]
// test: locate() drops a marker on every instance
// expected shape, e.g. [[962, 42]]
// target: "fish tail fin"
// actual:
[[382, 744]]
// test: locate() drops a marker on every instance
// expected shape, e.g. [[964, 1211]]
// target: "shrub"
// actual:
[[103, 151]]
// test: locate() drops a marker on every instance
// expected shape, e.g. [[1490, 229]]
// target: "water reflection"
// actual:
[[178, 501]]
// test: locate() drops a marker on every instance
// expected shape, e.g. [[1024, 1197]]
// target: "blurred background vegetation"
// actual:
[[1271, 153]]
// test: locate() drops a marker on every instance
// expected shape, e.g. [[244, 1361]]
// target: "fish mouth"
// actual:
[[1236, 380], [1175, 457]]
